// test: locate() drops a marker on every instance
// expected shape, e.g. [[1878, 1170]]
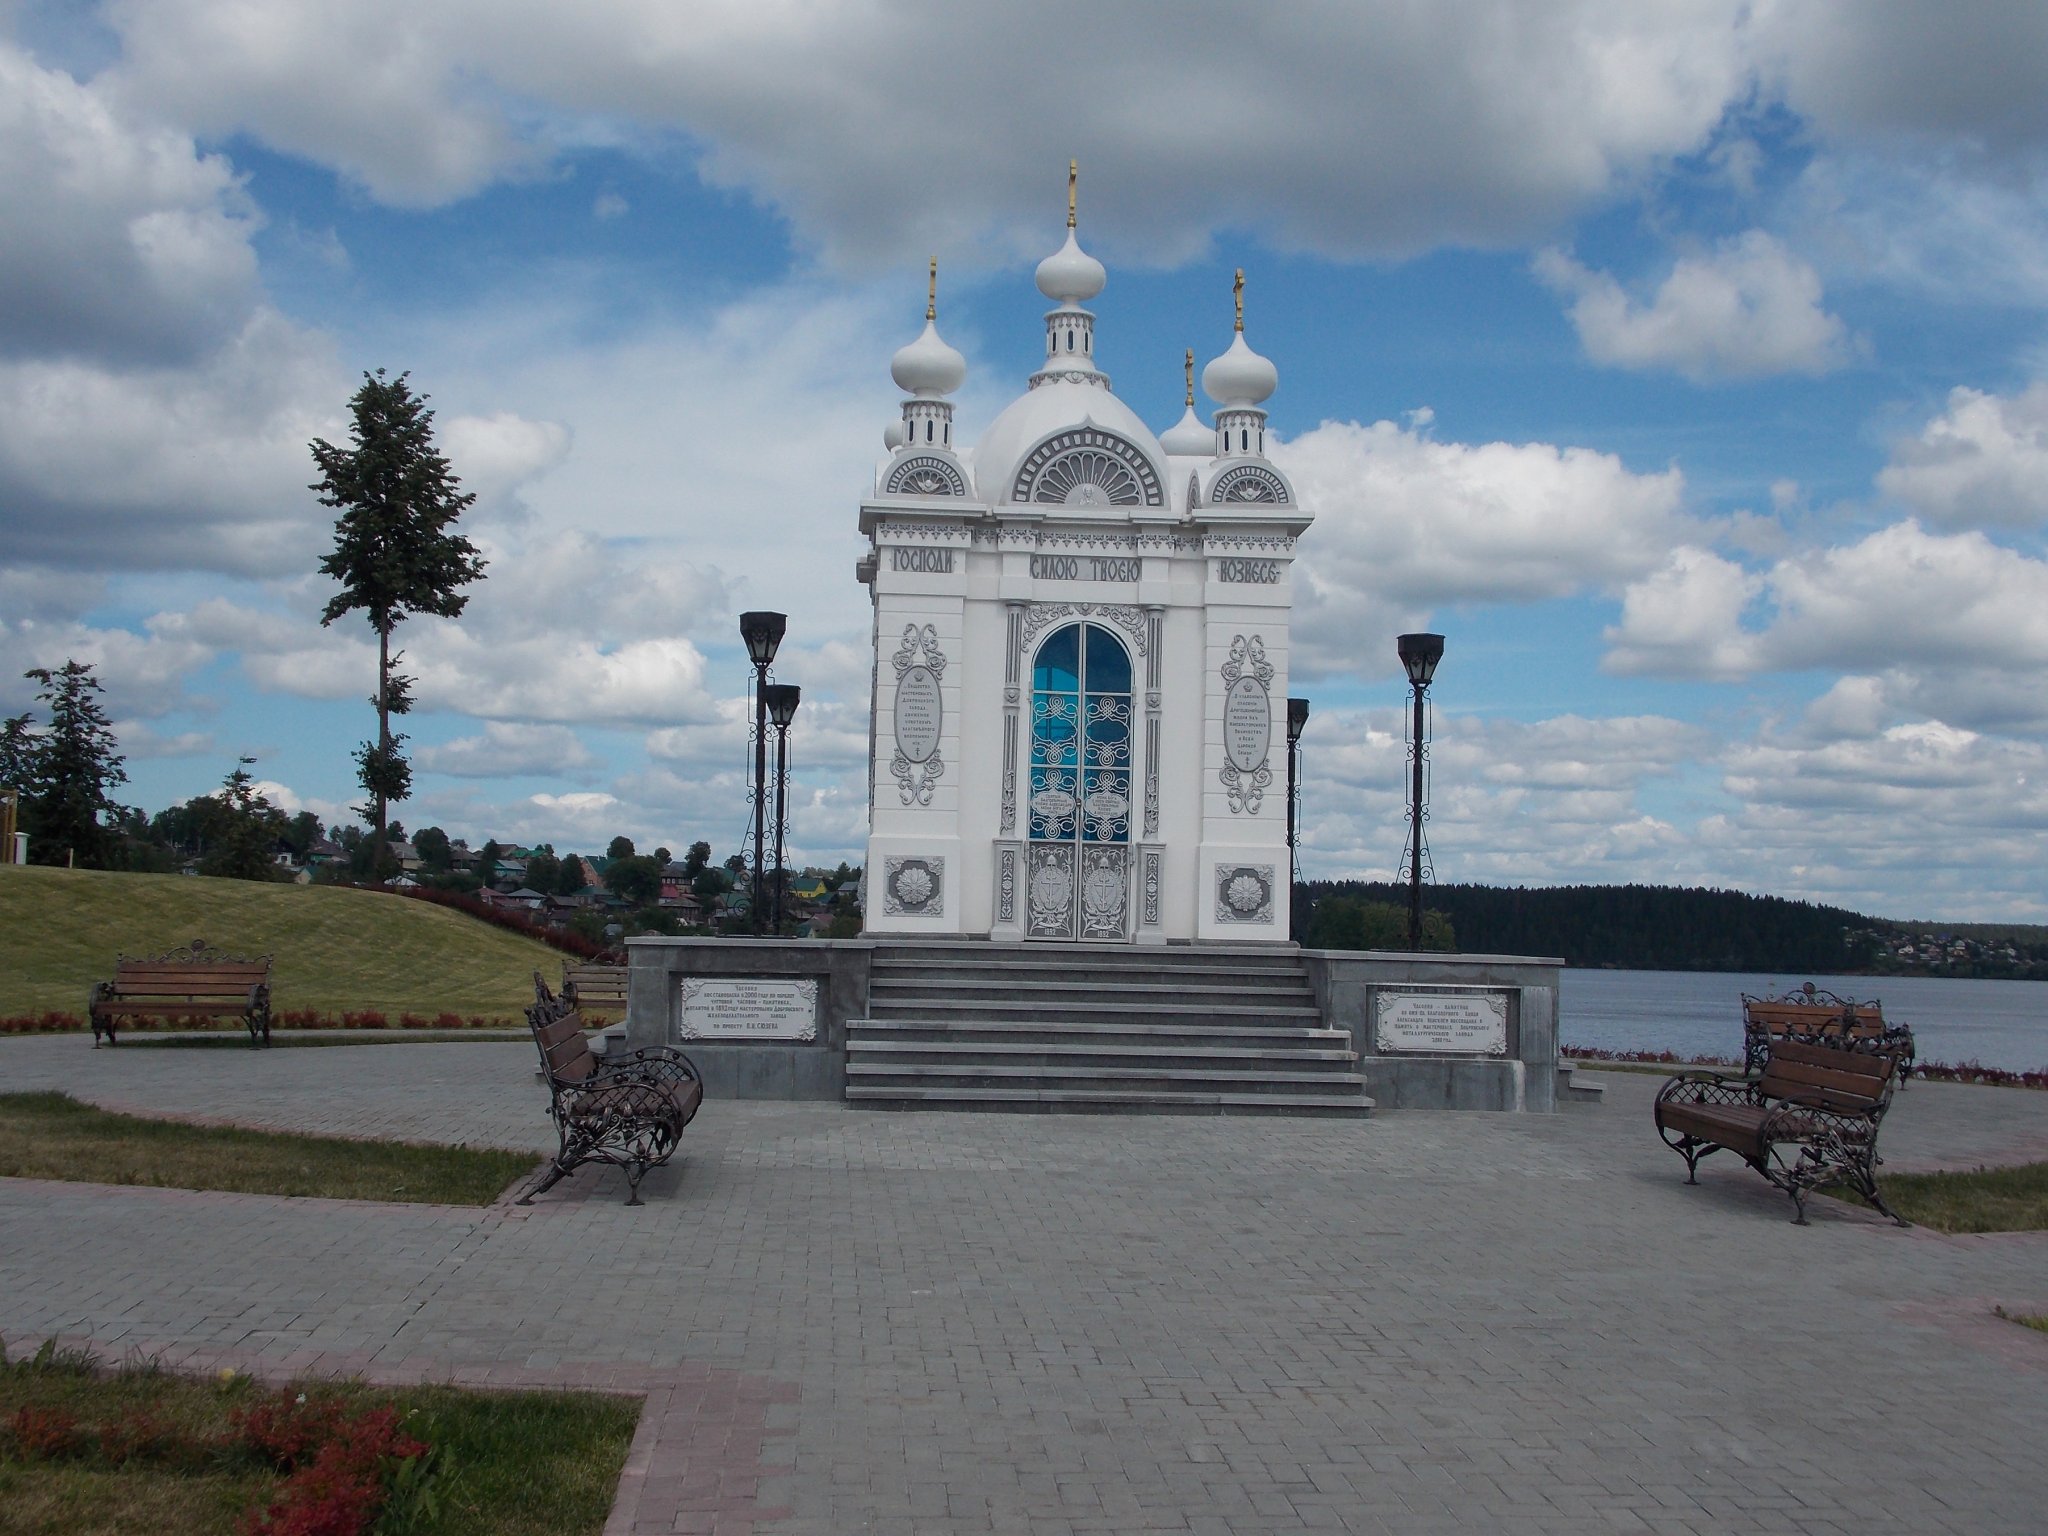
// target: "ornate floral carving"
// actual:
[[914, 887], [925, 474], [1006, 885], [1244, 893], [1130, 619]]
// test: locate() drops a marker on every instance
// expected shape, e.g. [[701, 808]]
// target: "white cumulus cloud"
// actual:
[[1404, 522], [1982, 463], [1747, 309]]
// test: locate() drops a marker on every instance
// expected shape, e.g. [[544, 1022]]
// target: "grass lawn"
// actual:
[[335, 949], [53, 1136], [2024, 1319], [504, 1464], [1987, 1200]]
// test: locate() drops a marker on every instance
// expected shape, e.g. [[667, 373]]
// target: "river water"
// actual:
[[1699, 1013]]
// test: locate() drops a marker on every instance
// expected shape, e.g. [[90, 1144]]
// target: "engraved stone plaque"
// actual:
[[1466, 1021], [1247, 724], [919, 714], [749, 1008]]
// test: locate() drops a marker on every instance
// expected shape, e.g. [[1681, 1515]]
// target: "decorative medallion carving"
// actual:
[[914, 887], [925, 474], [1249, 483], [1247, 725], [1244, 893], [1087, 467], [919, 714]]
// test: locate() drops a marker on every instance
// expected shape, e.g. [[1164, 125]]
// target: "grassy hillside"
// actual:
[[334, 949]]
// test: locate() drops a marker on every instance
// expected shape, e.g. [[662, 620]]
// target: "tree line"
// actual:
[[1635, 927]]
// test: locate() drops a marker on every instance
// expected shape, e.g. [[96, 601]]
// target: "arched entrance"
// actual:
[[1080, 787]]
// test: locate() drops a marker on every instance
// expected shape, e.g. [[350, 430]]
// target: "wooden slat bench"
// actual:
[[1809, 1118], [1814, 1016], [588, 985], [191, 982], [627, 1110]]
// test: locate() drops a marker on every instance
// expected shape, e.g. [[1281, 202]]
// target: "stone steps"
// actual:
[[1088, 1029]]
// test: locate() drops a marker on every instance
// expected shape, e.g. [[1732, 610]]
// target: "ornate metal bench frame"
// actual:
[[628, 1111], [107, 1003], [1805, 1139], [1839, 1022]]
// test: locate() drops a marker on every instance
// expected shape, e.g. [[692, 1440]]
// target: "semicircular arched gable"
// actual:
[[1087, 467]]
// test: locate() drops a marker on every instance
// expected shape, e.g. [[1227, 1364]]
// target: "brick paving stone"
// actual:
[[979, 1323]]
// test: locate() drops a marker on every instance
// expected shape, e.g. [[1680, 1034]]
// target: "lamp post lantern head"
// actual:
[[763, 633], [782, 700], [1297, 717], [1419, 655]]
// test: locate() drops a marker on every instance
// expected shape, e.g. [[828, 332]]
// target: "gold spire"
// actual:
[[1189, 368], [1237, 292], [1073, 183], [931, 293]]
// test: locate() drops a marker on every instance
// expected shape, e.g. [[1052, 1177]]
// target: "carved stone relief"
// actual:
[[914, 887], [919, 714], [1247, 725], [1244, 893]]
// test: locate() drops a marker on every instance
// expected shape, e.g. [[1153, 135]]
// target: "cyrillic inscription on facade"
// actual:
[[936, 562], [1469, 1022], [1086, 568], [721, 1008], [1263, 573]]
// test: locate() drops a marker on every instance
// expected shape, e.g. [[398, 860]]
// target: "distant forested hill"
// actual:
[[1641, 927]]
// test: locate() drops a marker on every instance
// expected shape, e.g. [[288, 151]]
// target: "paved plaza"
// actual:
[[853, 1322]]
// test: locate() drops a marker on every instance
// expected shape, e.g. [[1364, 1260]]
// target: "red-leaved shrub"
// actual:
[[43, 1434], [341, 1490], [285, 1429]]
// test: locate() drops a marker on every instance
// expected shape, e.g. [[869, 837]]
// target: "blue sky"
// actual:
[[1682, 362]]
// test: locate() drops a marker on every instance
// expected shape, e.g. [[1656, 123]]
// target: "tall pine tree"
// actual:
[[395, 554], [68, 769]]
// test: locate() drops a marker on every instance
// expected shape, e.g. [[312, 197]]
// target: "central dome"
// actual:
[[1047, 411]]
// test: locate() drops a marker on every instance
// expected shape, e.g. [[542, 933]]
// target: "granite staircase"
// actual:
[[1081, 1028]]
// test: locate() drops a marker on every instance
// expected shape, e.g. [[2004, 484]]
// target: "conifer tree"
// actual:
[[395, 554], [68, 768]]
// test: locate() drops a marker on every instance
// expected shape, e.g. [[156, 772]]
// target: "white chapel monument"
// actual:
[[1077, 750], [1080, 685]]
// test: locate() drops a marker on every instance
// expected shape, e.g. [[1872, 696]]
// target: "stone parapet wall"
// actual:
[[1349, 986]]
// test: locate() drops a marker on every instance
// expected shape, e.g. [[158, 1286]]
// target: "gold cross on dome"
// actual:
[[1237, 293], [1073, 184], [931, 293]]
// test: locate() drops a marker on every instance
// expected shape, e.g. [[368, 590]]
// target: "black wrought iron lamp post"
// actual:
[[1297, 717], [1419, 656], [762, 633], [782, 701]]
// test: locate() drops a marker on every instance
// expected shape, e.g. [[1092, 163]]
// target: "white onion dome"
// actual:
[[928, 367], [1188, 438], [895, 435], [1240, 376], [1070, 275]]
